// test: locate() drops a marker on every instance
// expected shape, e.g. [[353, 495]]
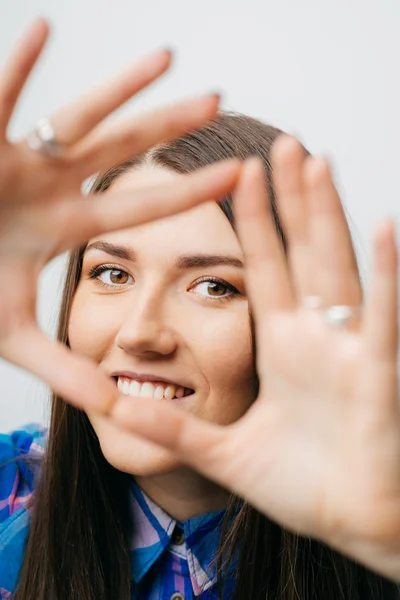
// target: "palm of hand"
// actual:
[[307, 449], [318, 451], [34, 202]]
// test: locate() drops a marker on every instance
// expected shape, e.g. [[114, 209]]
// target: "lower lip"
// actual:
[[180, 400], [174, 400]]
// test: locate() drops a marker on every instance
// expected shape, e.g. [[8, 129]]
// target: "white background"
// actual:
[[325, 71]]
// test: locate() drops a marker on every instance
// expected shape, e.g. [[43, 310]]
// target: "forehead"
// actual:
[[202, 229]]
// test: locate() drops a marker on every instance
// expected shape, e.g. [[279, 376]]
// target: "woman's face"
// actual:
[[162, 307]]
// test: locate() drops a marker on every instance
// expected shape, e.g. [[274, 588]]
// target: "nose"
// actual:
[[144, 330]]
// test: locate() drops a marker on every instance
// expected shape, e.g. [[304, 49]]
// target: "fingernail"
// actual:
[[169, 51], [216, 95]]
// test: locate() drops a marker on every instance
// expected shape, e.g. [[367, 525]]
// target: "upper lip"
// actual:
[[149, 377]]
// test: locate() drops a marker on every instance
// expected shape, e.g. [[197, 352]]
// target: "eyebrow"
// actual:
[[182, 262]]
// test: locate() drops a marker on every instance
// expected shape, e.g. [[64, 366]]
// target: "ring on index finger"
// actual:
[[43, 139]]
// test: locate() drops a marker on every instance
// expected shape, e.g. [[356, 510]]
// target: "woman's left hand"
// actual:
[[319, 450]]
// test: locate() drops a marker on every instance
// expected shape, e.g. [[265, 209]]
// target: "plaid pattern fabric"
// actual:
[[166, 557]]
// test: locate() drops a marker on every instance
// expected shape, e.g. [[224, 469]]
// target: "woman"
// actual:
[[42, 213], [178, 326]]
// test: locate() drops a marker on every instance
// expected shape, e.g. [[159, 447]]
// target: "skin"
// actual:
[[161, 320]]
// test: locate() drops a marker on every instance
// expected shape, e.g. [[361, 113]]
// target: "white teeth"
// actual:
[[169, 392], [147, 390], [131, 387], [134, 388], [159, 392]]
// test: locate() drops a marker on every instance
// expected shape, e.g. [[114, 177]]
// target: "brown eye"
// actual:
[[117, 276], [109, 276], [215, 288]]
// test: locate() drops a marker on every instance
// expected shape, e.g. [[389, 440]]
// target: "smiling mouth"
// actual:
[[159, 390]]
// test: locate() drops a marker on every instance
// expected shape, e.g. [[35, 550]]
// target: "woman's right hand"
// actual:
[[43, 212]]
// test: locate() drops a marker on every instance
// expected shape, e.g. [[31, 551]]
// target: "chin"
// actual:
[[130, 454]]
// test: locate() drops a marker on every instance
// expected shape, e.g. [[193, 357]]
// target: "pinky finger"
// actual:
[[76, 379], [17, 69], [381, 326]]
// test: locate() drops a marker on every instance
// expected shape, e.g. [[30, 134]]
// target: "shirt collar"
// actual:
[[152, 533]]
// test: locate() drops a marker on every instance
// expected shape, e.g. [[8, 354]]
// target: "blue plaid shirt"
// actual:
[[167, 557]]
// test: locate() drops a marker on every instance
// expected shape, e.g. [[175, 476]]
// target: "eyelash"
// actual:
[[95, 272], [233, 292]]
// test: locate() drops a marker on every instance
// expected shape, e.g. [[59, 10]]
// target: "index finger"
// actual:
[[79, 220], [71, 123], [17, 69], [267, 274]]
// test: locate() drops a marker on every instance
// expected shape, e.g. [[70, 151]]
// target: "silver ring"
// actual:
[[337, 315], [43, 140], [340, 315]]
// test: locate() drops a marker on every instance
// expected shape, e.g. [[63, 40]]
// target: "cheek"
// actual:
[[91, 329], [226, 359], [231, 357]]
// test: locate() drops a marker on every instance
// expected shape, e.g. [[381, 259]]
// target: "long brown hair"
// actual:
[[78, 545]]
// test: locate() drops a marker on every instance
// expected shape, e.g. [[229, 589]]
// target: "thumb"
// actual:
[[76, 379], [200, 444]]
